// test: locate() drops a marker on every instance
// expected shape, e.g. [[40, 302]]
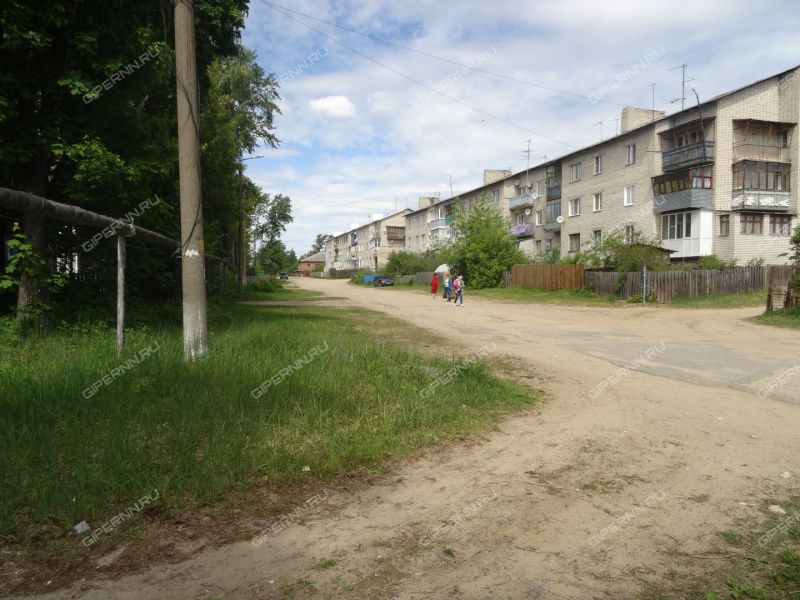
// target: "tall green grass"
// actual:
[[194, 431]]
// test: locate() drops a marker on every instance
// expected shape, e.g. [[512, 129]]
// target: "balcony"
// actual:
[[554, 191], [438, 223], [522, 230], [521, 201], [396, 234], [767, 152], [449, 219], [760, 200], [687, 156]]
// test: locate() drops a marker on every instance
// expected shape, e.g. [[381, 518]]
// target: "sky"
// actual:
[[368, 126]]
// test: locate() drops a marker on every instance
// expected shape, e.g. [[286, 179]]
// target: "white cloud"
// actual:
[[339, 107], [407, 141]]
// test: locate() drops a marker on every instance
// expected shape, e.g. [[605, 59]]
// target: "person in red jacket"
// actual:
[[434, 285]]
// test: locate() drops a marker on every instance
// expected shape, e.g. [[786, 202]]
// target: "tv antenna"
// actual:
[[601, 129], [684, 81]]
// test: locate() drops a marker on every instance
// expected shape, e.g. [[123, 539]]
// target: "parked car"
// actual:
[[382, 280], [283, 275]]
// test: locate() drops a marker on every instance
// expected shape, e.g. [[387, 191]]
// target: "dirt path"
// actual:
[[675, 450]]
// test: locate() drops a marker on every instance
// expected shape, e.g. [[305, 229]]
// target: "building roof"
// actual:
[[317, 257]]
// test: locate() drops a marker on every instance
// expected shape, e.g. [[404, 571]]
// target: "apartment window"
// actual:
[[780, 225], [597, 202], [538, 246], [519, 219], [628, 233], [785, 138], [598, 164], [574, 242], [629, 195], [539, 217], [700, 178], [724, 224], [760, 175], [548, 245], [495, 197], [597, 235], [575, 172], [751, 223], [630, 154], [540, 187], [575, 207], [676, 226]]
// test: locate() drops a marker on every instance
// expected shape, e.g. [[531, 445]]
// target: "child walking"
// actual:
[[458, 286]]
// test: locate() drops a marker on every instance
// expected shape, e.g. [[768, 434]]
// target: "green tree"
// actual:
[[625, 254], [484, 249], [318, 244]]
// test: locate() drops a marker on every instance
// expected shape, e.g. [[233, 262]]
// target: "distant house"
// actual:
[[311, 264]]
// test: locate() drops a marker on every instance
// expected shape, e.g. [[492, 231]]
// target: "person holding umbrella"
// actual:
[[434, 285]]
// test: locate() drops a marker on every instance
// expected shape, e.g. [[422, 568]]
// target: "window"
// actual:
[[751, 223], [538, 246], [597, 235], [598, 164], [698, 178], [760, 175], [629, 233], [575, 172], [785, 138], [676, 226], [495, 197], [548, 245], [574, 242], [780, 224], [540, 187], [539, 215], [630, 154], [597, 202], [575, 207], [629, 195], [724, 224], [552, 211]]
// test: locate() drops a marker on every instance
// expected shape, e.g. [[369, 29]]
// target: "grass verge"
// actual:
[[193, 432], [781, 318], [760, 560], [743, 300]]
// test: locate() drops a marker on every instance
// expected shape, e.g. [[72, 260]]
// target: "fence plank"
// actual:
[[548, 277]]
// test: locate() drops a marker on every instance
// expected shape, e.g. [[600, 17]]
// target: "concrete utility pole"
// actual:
[[195, 324]]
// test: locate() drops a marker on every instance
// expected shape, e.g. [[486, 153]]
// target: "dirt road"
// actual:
[[618, 476]]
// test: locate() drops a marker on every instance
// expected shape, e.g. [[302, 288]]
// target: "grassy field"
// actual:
[[743, 300], [759, 560], [350, 401], [781, 318]]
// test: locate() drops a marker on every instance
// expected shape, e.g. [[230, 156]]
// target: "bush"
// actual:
[[712, 261], [266, 285]]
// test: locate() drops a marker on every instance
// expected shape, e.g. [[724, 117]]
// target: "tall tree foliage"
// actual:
[[87, 117], [484, 249]]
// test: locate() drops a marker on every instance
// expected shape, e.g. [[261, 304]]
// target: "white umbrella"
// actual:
[[442, 269]]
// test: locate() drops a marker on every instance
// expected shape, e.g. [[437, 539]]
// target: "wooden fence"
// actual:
[[665, 285], [548, 277]]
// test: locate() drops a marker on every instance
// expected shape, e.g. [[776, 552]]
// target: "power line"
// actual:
[[441, 58], [419, 83]]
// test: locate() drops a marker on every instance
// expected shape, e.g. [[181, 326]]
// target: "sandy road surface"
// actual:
[[683, 444]]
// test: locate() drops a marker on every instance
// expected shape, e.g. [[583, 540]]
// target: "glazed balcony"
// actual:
[[687, 156]]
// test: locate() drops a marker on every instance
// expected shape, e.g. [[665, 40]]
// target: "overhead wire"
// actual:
[[419, 83]]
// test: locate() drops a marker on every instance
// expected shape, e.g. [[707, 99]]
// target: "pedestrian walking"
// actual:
[[434, 285], [458, 286], [448, 282]]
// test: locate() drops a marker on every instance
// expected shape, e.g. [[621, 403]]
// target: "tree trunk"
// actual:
[[31, 293]]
